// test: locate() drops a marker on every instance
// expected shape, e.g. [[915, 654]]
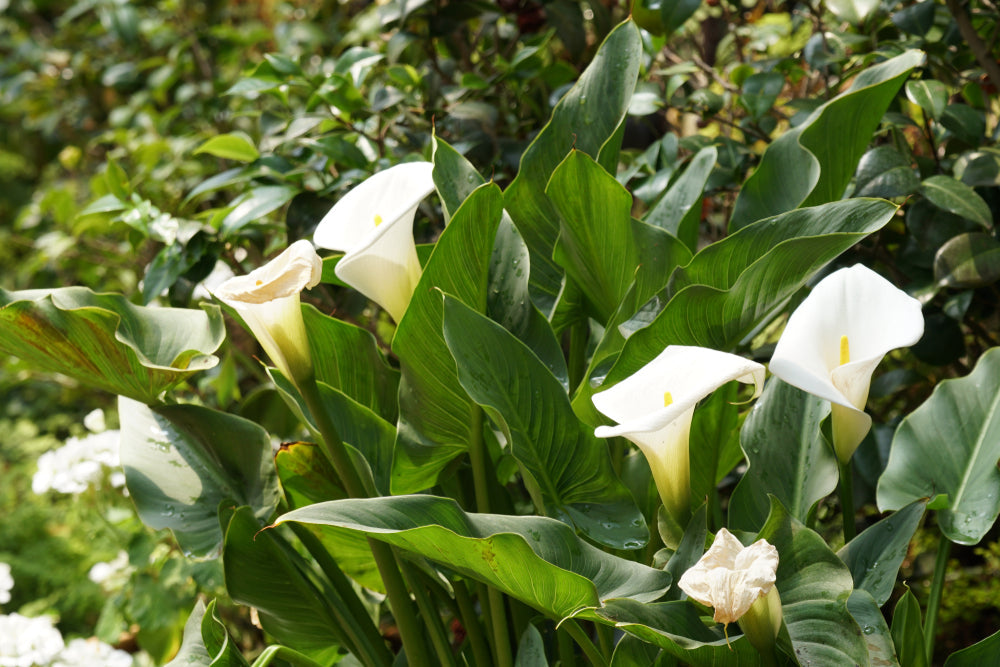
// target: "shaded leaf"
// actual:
[[956, 197], [968, 260], [232, 146], [908, 631]]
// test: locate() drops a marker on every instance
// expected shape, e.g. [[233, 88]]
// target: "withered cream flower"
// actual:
[[835, 339], [373, 225], [267, 299], [654, 408], [738, 583]]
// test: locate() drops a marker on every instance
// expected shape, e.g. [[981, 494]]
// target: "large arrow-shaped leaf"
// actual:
[[106, 342], [813, 163], [950, 445], [585, 118], [567, 469], [434, 422], [537, 560]]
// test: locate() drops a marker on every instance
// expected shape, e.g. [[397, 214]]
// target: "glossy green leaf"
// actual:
[[348, 358], [568, 470], [672, 211], [929, 95], [254, 205], [631, 651], [734, 286], [875, 555], [908, 632], [585, 118], [181, 461], [950, 445], [292, 602], [689, 550], [979, 168], [916, 19], [206, 642], [852, 11], [674, 13], [965, 123], [714, 442], [760, 91], [884, 172], [531, 649], [106, 342], [232, 146], [434, 424], [813, 162], [968, 260], [600, 245], [454, 177], [979, 654], [539, 561], [787, 455], [956, 197], [878, 639]]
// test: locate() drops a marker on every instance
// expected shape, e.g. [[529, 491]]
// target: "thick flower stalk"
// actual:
[[267, 299], [738, 583], [654, 408], [373, 225], [835, 339]]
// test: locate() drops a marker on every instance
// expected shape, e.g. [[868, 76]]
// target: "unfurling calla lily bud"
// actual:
[[738, 583], [835, 339], [373, 225], [267, 299], [654, 407]]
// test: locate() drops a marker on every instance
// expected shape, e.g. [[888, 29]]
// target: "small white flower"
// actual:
[[267, 299], [28, 642], [373, 225], [731, 577], [94, 421], [655, 405], [835, 339], [78, 464], [107, 573], [6, 583], [91, 653]]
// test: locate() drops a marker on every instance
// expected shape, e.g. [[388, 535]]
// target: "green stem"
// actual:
[[403, 611], [480, 475], [370, 645], [429, 611], [846, 488], [567, 655], [473, 629], [580, 637], [934, 600]]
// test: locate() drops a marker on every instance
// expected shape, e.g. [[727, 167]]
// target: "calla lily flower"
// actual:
[[654, 408], [267, 299], [373, 225], [738, 583], [835, 339]]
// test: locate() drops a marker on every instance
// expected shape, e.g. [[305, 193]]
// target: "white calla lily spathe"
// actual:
[[835, 339], [267, 299], [373, 225], [655, 405], [738, 583]]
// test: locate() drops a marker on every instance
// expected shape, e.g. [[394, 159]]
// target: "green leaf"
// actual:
[[852, 11], [916, 19], [878, 639], [585, 118], [787, 455], [454, 177], [206, 642], [181, 461], [434, 424], [684, 196], [884, 172], [232, 146], [348, 358], [689, 550], [674, 13], [254, 205], [760, 92], [956, 197], [968, 260], [714, 445], [106, 342], [537, 560], [294, 604], [929, 95], [979, 654], [567, 469], [965, 123], [600, 245], [813, 162], [875, 555], [734, 286], [531, 649], [951, 444], [908, 632]]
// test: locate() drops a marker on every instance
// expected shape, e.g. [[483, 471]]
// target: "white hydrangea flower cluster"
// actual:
[[80, 462], [111, 573], [36, 642], [6, 583]]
